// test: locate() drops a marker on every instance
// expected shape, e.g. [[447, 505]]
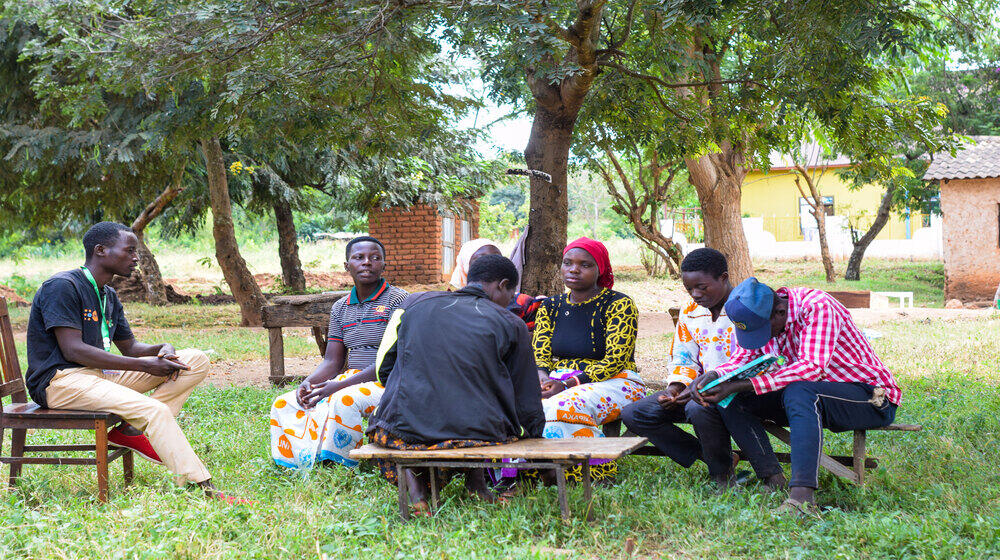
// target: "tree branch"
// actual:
[[629, 20]]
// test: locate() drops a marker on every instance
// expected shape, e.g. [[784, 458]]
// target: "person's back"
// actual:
[[460, 370]]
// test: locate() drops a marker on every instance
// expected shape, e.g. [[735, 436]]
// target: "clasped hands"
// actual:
[[166, 363], [309, 394], [550, 386]]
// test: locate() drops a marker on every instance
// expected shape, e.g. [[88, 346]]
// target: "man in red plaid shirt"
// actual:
[[832, 379]]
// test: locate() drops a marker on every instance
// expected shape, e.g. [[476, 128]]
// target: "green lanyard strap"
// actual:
[[105, 323]]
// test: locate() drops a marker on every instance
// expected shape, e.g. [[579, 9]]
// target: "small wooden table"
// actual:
[[555, 454], [312, 310]]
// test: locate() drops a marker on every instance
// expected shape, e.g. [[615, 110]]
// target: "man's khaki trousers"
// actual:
[[122, 394]]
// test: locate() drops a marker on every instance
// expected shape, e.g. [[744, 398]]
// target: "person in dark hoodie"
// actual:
[[458, 371]]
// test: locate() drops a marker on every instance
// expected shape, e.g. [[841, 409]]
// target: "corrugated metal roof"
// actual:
[[979, 160], [810, 156]]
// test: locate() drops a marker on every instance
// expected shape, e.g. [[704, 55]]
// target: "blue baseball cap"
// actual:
[[749, 308]]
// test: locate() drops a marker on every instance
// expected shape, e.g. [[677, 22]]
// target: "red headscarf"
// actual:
[[606, 278]]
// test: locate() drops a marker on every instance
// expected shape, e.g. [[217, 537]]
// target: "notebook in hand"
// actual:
[[752, 369]]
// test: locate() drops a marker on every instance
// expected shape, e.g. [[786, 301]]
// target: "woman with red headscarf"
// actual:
[[585, 350]]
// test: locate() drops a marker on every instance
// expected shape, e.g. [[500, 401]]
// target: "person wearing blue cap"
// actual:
[[832, 379]]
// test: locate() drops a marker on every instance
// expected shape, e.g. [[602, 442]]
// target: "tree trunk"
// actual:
[[819, 212], [718, 179], [548, 151], [853, 271], [227, 251], [815, 201], [557, 105], [288, 248], [150, 276], [149, 269]]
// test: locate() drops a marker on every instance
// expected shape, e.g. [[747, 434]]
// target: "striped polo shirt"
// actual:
[[359, 324]]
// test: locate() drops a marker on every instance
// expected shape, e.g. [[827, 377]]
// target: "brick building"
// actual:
[[423, 241], [970, 209]]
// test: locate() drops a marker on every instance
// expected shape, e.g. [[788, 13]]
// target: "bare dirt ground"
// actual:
[[12, 296]]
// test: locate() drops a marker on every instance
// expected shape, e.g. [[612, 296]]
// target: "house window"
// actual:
[[466, 231], [447, 242], [805, 208]]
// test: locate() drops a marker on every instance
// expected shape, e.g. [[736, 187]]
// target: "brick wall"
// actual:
[[413, 240]]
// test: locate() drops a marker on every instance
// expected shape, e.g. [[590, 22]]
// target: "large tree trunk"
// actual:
[[853, 271], [288, 248], [149, 269], [548, 151], [227, 251], [718, 179], [557, 106]]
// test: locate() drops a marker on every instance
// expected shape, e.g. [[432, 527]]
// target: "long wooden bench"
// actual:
[[852, 468], [555, 454], [311, 310]]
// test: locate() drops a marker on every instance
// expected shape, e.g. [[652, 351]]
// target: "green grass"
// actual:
[[936, 493], [924, 278], [221, 343]]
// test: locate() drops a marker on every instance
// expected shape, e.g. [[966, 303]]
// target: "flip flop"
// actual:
[[796, 508]]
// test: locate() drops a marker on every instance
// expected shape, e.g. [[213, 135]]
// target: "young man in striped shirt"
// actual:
[[832, 379]]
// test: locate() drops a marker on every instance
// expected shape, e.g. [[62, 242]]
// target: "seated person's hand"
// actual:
[[723, 390], [304, 388], [167, 351], [319, 392], [672, 396], [552, 387], [694, 388], [162, 367]]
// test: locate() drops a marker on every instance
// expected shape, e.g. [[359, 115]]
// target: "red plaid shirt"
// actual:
[[822, 343]]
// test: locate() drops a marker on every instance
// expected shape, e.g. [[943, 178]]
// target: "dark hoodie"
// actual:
[[455, 365]]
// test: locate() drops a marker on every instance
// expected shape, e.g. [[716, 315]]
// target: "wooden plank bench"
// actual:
[[312, 310], [852, 468], [555, 454]]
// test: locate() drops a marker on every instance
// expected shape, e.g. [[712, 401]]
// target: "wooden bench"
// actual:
[[555, 454], [852, 468], [20, 416], [312, 310]]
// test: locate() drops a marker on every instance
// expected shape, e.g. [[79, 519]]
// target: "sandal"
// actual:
[[796, 508], [421, 509]]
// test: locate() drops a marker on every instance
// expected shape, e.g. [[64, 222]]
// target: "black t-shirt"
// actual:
[[67, 300]]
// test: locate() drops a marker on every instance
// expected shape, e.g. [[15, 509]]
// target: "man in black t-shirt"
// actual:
[[75, 316]]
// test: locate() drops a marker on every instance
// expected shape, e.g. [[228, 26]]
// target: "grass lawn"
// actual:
[[936, 493]]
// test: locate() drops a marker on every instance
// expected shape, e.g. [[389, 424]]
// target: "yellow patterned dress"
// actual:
[[593, 341]]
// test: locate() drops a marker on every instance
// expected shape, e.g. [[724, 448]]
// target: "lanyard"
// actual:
[[105, 323]]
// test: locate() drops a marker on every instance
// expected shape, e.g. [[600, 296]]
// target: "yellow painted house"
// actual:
[[774, 197]]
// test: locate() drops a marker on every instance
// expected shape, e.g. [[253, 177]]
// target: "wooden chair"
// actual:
[[21, 415]]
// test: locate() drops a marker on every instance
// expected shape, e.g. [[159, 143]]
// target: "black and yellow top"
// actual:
[[596, 336]]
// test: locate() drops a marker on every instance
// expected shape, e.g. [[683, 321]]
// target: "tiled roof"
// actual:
[[978, 160]]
